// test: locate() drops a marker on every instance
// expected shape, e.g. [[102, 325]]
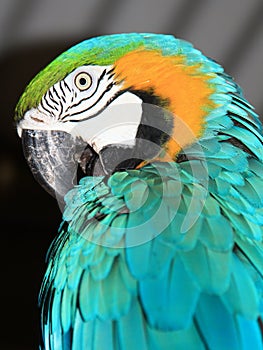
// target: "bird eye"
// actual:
[[83, 81]]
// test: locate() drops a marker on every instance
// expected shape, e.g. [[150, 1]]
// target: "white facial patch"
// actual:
[[117, 124]]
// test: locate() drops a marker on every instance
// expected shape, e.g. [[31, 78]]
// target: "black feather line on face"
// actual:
[[149, 96], [157, 122]]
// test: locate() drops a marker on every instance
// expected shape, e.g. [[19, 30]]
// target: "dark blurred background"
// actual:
[[32, 33]]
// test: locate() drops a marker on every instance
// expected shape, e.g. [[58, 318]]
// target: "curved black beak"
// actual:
[[53, 157]]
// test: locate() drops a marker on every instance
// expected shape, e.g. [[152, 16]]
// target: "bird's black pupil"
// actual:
[[82, 81]]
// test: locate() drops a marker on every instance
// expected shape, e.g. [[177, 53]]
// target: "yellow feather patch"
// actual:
[[186, 88]]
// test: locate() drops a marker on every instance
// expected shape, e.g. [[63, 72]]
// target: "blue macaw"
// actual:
[[156, 158]]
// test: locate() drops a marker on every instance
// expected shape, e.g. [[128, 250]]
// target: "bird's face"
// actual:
[[137, 106], [79, 104], [77, 120]]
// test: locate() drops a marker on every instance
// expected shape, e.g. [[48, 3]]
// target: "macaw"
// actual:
[[155, 157]]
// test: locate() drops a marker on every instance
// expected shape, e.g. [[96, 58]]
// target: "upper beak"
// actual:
[[53, 157]]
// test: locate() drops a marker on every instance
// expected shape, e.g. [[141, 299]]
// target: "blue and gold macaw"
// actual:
[[157, 157]]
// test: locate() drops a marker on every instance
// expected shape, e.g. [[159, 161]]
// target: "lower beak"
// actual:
[[53, 157]]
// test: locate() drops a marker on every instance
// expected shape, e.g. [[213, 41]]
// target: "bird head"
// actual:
[[115, 102]]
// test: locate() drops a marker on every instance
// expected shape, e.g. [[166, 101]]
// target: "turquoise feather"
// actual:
[[234, 298], [174, 290], [224, 333]]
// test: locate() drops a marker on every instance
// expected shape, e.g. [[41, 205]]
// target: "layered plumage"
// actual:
[[166, 254]]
